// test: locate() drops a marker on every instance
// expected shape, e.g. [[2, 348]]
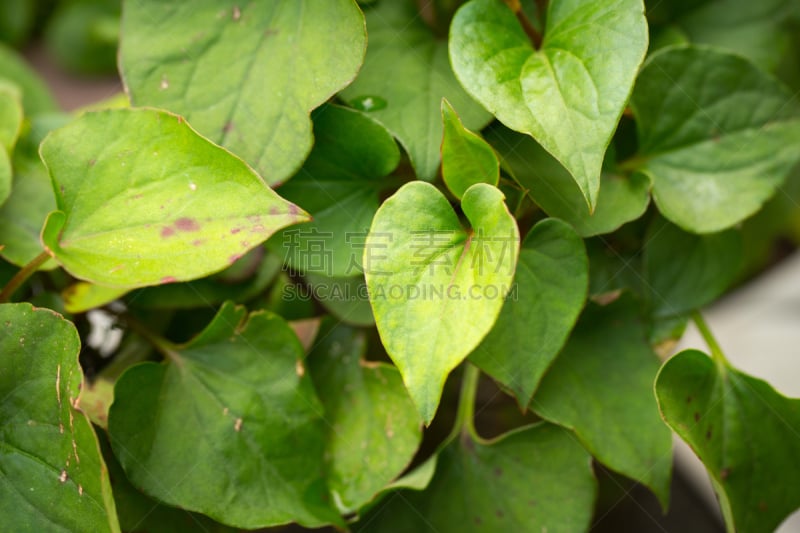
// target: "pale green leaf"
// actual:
[[466, 158], [245, 74], [190, 208], [570, 93], [435, 287], [52, 476]]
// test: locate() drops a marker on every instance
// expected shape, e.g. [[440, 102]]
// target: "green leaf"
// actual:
[[345, 298], [245, 75], [10, 116], [466, 158], [36, 97], [191, 208], [755, 30], [374, 429], [716, 134], [621, 199], [32, 198], [685, 271], [339, 186], [435, 287], [549, 291], [601, 386], [252, 453], [138, 513], [534, 479], [53, 476], [563, 94], [406, 74], [745, 433], [82, 37]]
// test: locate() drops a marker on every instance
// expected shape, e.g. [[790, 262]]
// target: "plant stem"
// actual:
[[465, 418], [533, 33], [162, 345], [22, 276], [708, 337]]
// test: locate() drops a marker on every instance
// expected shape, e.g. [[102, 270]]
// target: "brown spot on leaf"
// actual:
[[237, 426], [499, 513], [688, 399], [245, 244], [186, 224], [234, 231], [197, 242], [63, 477], [168, 279], [167, 231], [293, 209], [708, 433], [762, 506], [92, 162], [696, 417], [228, 127], [237, 13], [299, 368], [498, 471], [235, 257], [258, 228], [478, 521], [724, 473]]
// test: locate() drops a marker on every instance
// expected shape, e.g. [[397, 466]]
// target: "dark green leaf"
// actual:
[[230, 427], [373, 427], [435, 287], [549, 292], [563, 94], [716, 134], [52, 476], [601, 386], [406, 74], [621, 199], [534, 479], [245, 74], [685, 271], [191, 208], [345, 298], [745, 432], [338, 185]]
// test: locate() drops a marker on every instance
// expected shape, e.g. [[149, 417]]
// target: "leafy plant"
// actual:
[[291, 300]]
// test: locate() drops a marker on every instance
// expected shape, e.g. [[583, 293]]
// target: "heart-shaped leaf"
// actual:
[[466, 158], [338, 185], [373, 427], [533, 479], [435, 287], [601, 386], [716, 134], [405, 75], [244, 74], [570, 93], [621, 198], [550, 287], [254, 448], [53, 476], [191, 208], [745, 433]]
